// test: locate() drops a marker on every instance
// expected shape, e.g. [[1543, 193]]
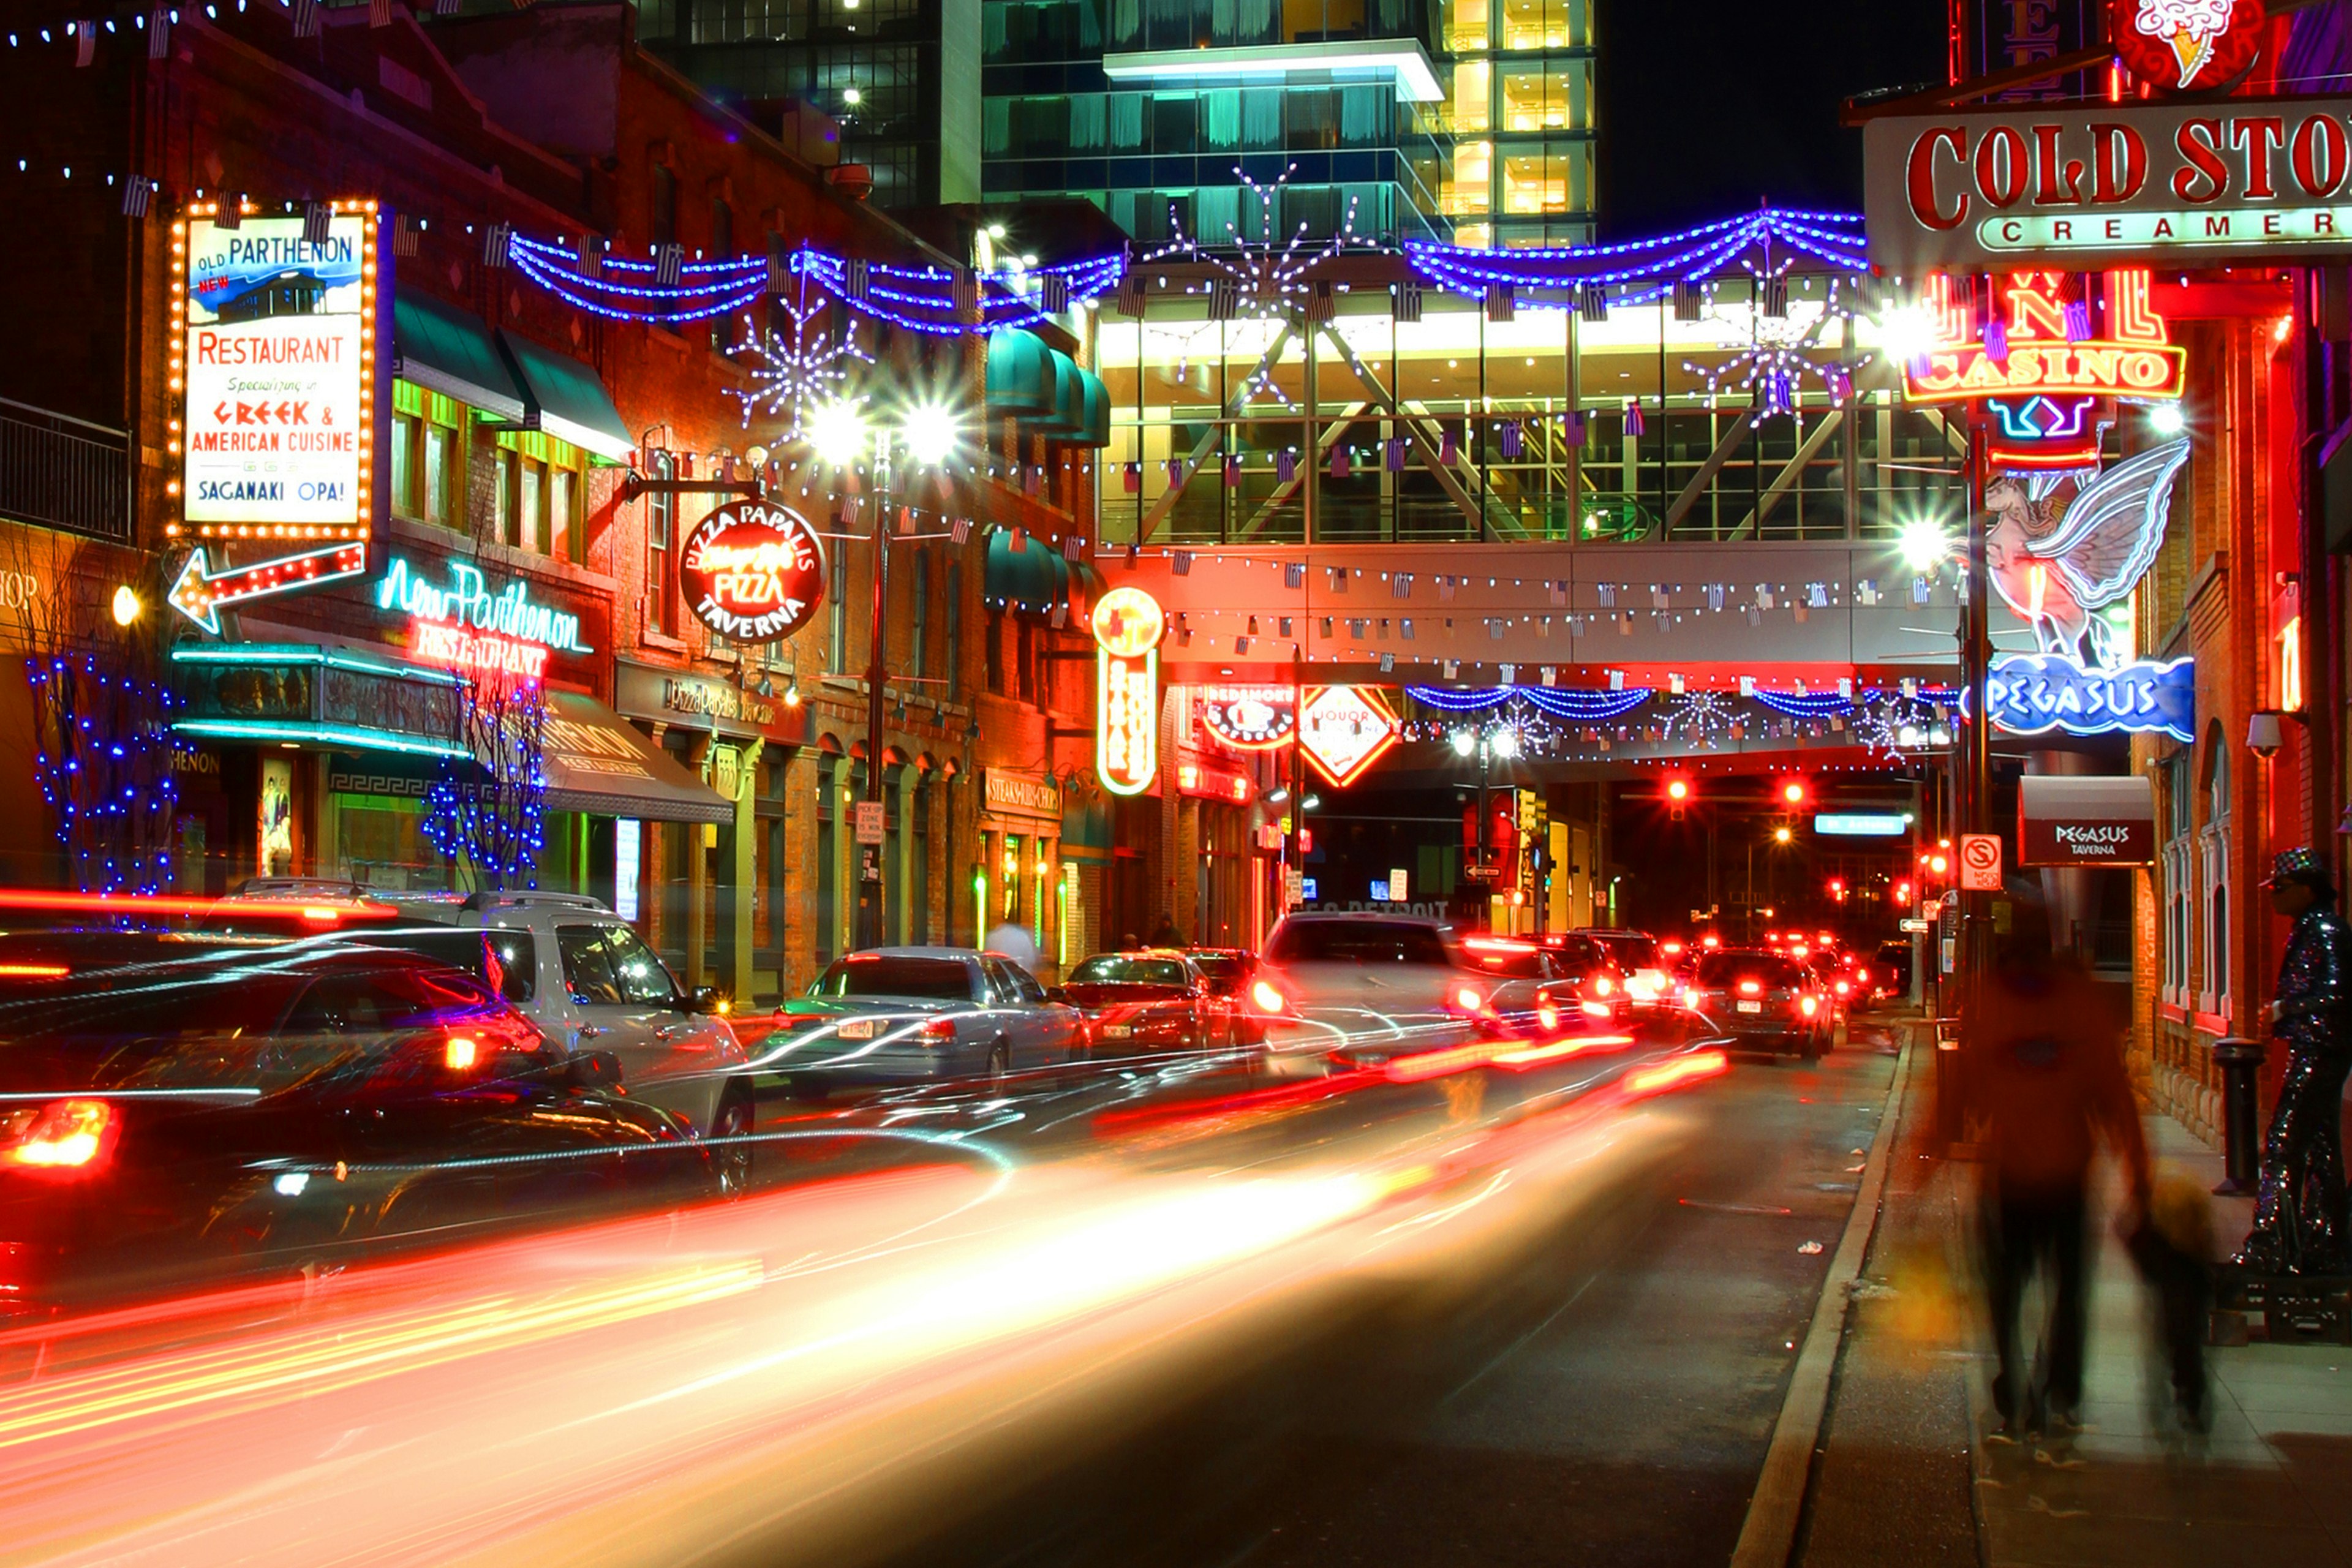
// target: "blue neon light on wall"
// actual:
[[2035, 693]]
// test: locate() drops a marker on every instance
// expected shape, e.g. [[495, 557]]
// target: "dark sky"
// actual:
[[1709, 107]]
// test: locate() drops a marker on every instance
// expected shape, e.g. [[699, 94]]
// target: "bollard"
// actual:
[[2239, 1062]]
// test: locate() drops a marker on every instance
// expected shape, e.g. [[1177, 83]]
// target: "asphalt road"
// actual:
[[1607, 1396]]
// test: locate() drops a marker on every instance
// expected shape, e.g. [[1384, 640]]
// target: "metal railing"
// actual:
[[63, 472]]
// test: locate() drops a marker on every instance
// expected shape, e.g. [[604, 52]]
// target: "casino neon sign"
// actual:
[[1127, 625], [462, 624]]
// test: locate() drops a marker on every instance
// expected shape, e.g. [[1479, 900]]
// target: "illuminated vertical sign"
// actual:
[[1128, 624], [272, 358]]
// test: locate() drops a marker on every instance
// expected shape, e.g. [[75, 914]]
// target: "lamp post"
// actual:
[[927, 433]]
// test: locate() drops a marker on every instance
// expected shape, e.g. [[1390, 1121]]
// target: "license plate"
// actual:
[[857, 1028], [1117, 1031], [1751, 1006]]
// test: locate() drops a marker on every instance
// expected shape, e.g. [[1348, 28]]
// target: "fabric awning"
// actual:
[[1020, 378], [568, 400], [598, 763], [446, 350], [2074, 819], [1030, 580], [1066, 419], [1098, 430]]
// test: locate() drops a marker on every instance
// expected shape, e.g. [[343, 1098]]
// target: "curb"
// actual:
[[1770, 1531]]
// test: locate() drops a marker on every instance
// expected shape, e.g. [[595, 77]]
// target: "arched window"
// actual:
[[2177, 881], [2214, 859]]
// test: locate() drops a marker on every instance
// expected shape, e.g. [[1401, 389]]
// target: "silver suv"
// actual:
[[589, 982]]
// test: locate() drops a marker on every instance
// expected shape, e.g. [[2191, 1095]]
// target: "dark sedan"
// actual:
[[1758, 1000], [170, 1107], [893, 1016], [1139, 1004]]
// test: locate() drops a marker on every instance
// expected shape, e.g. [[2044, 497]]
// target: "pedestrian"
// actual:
[[2299, 1207], [1012, 940], [1165, 933], [2045, 1079]]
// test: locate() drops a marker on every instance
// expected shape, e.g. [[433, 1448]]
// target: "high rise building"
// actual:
[[1414, 118], [899, 78]]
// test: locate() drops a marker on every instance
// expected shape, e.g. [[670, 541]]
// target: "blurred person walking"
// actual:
[[2045, 1083], [2299, 1209]]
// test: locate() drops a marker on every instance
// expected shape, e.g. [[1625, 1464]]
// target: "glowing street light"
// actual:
[[931, 433], [1507, 743], [1906, 332], [1924, 545], [1464, 742], [839, 433], [1782, 834], [2165, 418]]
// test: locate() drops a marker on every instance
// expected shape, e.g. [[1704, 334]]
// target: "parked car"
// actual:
[[1755, 997], [174, 1109], [1229, 971], [1366, 986], [587, 979], [1649, 978], [1566, 983], [1891, 971], [1135, 1003], [899, 1015]]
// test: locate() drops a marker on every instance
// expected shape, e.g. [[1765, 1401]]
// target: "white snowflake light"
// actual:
[[1772, 357], [791, 374]]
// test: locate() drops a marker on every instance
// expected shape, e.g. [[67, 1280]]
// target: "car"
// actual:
[[173, 1110], [1364, 986], [1229, 971], [1891, 971], [1755, 997], [579, 972], [893, 1016], [1563, 983], [1649, 980], [1138, 1003]]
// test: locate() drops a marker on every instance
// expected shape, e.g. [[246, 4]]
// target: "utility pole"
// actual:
[[870, 856]]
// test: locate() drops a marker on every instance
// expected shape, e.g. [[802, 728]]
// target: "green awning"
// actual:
[[1019, 374], [1097, 426], [1024, 580], [1067, 421], [446, 350], [568, 400]]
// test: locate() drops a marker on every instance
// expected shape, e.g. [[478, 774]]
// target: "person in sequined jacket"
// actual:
[[2299, 1215]]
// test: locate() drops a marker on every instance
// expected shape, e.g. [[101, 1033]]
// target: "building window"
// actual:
[[955, 633], [919, 869], [919, 639], [530, 505], [722, 245], [661, 521], [441, 468], [569, 542], [2214, 865], [502, 498], [404, 464], [663, 192], [836, 633], [2179, 884], [1025, 661], [994, 642]]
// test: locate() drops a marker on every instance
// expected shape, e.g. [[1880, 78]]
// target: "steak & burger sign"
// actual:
[[2231, 180]]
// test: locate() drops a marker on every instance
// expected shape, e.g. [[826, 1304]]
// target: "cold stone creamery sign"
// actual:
[[2228, 181], [464, 623], [277, 356]]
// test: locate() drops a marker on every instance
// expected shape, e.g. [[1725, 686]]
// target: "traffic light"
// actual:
[[1902, 894], [1792, 792], [1782, 834], [1837, 889], [1678, 796]]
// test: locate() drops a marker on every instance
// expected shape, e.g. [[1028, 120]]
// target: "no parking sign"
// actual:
[[1981, 862]]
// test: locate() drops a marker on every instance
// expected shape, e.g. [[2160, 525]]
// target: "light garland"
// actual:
[[792, 375], [103, 758], [1654, 265]]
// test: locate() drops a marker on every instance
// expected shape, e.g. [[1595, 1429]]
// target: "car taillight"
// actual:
[[1844, 989], [1547, 1010], [1602, 986], [1751, 988], [461, 1052], [1809, 1005], [1266, 997], [934, 1030], [1468, 999], [1692, 997], [66, 1135], [1862, 977]]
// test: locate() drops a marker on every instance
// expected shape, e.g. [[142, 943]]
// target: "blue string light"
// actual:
[[1659, 263], [1573, 703], [1809, 705]]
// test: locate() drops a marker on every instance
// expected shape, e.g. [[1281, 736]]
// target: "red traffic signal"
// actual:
[[1794, 792]]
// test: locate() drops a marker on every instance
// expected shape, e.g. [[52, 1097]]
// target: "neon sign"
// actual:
[[1127, 625], [1249, 718], [1344, 729], [2042, 372], [2183, 46], [2035, 693], [2060, 551], [753, 570], [200, 594], [462, 625]]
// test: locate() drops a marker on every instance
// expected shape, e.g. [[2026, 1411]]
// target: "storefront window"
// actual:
[[440, 446], [531, 504], [919, 870], [828, 774], [1009, 875], [404, 464], [502, 500], [569, 542], [661, 517]]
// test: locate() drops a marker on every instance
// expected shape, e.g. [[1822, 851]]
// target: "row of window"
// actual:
[[2196, 889], [1068, 29], [537, 485], [1217, 120]]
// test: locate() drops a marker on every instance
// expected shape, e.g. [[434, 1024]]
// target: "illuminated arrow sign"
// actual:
[[202, 597]]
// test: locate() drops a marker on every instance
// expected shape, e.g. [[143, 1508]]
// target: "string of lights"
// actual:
[[1690, 256]]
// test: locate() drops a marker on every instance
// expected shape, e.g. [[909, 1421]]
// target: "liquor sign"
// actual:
[[1128, 624], [461, 623], [1249, 718], [753, 570], [1344, 729], [275, 361], [2034, 693], [2085, 820], [2187, 46], [2229, 182]]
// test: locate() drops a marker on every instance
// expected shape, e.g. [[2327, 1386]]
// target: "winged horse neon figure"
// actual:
[[2060, 547]]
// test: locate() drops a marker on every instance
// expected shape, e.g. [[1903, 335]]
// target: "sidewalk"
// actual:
[[2270, 1485]]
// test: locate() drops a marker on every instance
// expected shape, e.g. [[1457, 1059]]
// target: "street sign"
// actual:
[[868, 822], [1918, 927], [1862, 825], [1480, 873], [1294, 888], [1981, 862]]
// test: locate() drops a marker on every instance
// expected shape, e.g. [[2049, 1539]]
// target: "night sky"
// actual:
[[1710, 107]]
